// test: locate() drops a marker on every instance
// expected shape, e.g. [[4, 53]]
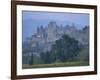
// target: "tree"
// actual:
[[31, 59], [66, 48], [36, 59], [84, 54], [47, 57]]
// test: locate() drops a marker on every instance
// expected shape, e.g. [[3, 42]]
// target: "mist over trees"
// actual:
[[64, 49], [57, 44]]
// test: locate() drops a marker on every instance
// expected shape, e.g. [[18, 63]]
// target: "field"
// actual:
[[57, 64]]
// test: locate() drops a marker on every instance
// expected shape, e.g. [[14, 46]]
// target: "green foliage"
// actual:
[[47, 57], [84, 55], [37, 59], [31, 60], [64, 49]]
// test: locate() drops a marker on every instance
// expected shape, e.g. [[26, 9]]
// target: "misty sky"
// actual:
[[32, 19]]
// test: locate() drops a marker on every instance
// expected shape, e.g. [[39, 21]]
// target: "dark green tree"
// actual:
[[47, 57], [84, 54], [31, 60], [66, 48]]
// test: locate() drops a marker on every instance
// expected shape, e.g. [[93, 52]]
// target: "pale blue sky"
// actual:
[[32, 19]]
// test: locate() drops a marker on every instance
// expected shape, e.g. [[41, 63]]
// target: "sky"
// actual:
[[32, 19]]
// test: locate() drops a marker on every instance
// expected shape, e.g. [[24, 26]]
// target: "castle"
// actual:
[[44, 37]]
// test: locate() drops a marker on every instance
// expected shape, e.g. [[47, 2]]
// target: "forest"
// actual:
[[66, 51]]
